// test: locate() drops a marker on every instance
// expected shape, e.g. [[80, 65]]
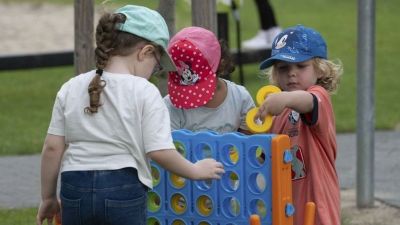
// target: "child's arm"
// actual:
[[53, 150], [275, 103], [173, 161]]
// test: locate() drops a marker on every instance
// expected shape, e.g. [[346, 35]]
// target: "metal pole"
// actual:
[[236, 16], [365, 103]]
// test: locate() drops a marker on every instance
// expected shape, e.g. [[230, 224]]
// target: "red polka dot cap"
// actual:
[[196, 53]]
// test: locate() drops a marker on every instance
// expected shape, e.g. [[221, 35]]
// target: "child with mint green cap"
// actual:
[[108, 123]]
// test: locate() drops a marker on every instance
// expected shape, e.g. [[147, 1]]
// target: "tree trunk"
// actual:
[[167, 9], [84, 49], [204, 14]]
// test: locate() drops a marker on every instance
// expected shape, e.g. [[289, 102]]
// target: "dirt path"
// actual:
[[27, 28], [36, 28], [380, 214]]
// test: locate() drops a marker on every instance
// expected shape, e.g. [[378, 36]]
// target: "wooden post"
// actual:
[[167, 9], [204, 14], [84, 49]]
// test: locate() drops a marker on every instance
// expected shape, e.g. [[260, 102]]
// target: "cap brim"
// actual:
[[292, 58], [190, 96], [166, 62], [194, 84]]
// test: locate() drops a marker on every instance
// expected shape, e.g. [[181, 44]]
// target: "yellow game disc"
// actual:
[[177, 181], [204, 205], [253, 126], [264, 91], [178, 222], [178, 203], [233, 154]]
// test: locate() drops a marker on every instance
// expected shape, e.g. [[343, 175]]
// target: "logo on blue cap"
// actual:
[[296, 44]]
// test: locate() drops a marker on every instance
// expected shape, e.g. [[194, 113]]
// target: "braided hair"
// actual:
[[109, 41]]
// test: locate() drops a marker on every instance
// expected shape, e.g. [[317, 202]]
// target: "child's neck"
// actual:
[[219, 95]]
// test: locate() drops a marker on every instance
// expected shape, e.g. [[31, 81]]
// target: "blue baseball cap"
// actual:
[[150, 25], [296, 44]]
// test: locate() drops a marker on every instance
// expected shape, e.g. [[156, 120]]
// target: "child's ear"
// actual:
[[146, 51]]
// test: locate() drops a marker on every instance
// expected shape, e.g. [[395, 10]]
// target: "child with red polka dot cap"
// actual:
[[198, 97]]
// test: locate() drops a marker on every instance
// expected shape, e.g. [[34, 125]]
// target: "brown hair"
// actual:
[[226, 64], [109, 41]]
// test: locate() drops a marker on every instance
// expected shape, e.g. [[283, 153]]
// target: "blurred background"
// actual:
[[41, 26]]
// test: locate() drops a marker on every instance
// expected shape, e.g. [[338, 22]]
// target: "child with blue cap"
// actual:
[[108, 123], [303, 111]]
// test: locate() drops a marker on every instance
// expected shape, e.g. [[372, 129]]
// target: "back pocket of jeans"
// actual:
[[70, 211], [121, 212]]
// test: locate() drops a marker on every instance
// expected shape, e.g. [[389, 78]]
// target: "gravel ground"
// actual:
[[27, 28], [36, 28]]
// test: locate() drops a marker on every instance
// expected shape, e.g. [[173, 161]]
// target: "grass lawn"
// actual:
[[25, 216], [26, 96], [26, 99]]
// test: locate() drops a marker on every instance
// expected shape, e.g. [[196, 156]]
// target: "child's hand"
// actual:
[[273, 104], [47, 210], [259, 119], [208, 169]]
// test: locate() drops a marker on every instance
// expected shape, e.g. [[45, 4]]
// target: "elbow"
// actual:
[[309, 106], [54, 145], [301, 101], [157, 156], [49, 148], [51, 151]]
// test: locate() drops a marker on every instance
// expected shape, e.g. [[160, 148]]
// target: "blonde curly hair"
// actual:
[[330, 72]]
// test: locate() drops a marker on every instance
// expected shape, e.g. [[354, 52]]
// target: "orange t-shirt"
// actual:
[[313, 145]]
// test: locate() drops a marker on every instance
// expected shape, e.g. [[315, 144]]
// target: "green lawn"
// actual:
[[26, 99], [18, 216], [26, 96]]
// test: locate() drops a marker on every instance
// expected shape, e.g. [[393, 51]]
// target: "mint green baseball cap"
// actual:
[[150, 25]]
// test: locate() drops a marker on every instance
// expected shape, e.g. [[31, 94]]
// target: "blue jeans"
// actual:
[[103, 197]]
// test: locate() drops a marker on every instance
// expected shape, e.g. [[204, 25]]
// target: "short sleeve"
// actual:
[[247, 104], [156, 122], [322, 113], [175, 114], [57, 122], [311, 118]]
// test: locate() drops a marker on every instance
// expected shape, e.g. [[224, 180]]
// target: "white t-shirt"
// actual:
[[131, 122], [227, 117]]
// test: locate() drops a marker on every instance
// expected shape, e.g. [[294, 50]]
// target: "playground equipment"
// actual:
[[261, 126], [57, 219], [309, 216], [255, 220], [255, 189], [257, 181]]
